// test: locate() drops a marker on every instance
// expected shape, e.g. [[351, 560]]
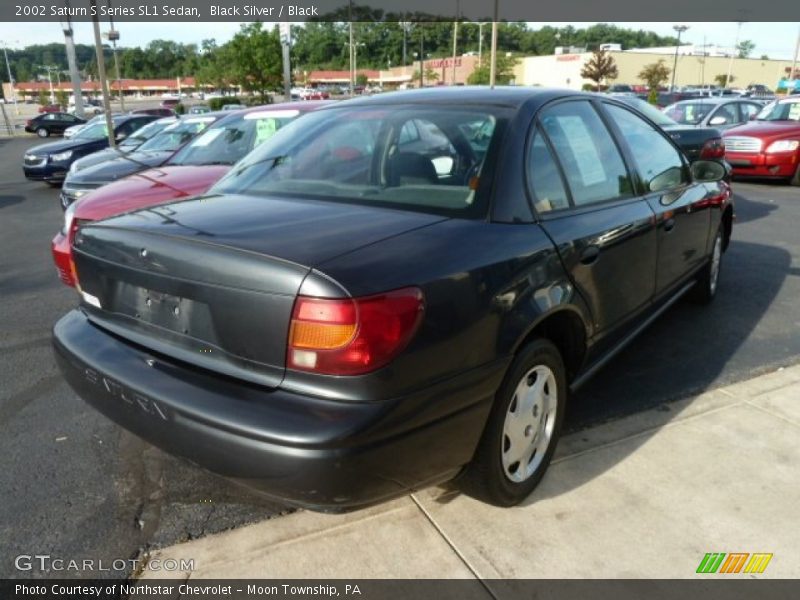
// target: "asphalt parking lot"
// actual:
[[74, 485]]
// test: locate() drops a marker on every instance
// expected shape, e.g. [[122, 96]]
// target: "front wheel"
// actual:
[[42, 132], [705, 290], [522, 430]]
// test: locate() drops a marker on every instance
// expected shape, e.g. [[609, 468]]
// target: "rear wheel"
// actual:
[[522, 430], [705, 290], [42, 132]]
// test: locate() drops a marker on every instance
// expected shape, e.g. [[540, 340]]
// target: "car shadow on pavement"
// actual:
[[682, 354], [6, 201], [751, 210]]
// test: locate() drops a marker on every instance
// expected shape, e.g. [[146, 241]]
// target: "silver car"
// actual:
[[717, 112]]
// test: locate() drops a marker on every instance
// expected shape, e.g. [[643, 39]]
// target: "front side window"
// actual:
[[659, 164], [591, 160], [92, 132], [786, 110], [688, 113], [413, 157]]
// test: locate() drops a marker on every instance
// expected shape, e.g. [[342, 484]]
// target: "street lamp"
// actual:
[[10, 78], [680, 29], [113, 36], [733, 54], [480, 41]]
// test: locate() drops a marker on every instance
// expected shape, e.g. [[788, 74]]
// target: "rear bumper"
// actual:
[[302, 450], [763, 165]]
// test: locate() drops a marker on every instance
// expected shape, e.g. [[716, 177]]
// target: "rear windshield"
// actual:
[[176, 135], [688, 113], [403, 156], [229, 141]]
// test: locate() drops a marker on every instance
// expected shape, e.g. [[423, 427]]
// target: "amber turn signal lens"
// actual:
[[321, 336]]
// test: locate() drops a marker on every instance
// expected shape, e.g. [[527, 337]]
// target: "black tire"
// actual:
[[705, 290], [485, 477], [42, 132]]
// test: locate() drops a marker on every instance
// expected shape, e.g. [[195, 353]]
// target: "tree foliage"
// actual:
[[599, 68], [504, 73], [745, 48], [722, 79], [655, 74]]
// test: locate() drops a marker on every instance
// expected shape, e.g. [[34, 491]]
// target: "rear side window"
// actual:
[[591, 161], [545, 180], [659, 164]]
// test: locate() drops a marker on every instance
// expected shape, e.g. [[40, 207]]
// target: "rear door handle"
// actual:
[[589, 255], [669, 224]]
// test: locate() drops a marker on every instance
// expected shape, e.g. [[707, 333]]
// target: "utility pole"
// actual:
[[680, 29], [285, 30], [455, 39], [11, 80], [493, 58], [792, 75], [74, 75], [480, 43], [352, 73], [101, 72], [733, 54], [421, 56]]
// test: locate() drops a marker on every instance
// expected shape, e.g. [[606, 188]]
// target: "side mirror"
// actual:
[[707, 171], [718, 121], [121, 137]]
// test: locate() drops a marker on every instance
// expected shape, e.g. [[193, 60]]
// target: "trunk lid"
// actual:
[[212, 281]]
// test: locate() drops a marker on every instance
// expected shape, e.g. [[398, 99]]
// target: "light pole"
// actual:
[[493, 58], [50, 69], [455, 39], [113, 36], [355, 59], [74, 75], [480, 41], [733, 54], [680, 29], [11, 79], [101, 72]]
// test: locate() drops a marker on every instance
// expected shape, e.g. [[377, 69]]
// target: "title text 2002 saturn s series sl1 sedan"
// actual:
[[393, 291]]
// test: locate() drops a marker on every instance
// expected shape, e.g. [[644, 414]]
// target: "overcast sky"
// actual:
[[777, 40]]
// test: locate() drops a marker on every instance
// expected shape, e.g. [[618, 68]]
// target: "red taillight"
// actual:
[[352, 336], [714, 148]]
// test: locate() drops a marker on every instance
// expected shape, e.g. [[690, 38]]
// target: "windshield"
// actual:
[[788, 110], [649, 111], [688, 113], [176, 135], [145, 133], [227, 143], [401, 156], [92, 131]]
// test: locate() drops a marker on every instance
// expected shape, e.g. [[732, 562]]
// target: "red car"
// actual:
[[190, 172], [49, 108], [769, 145]]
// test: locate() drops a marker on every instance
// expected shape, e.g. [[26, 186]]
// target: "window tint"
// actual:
[[545, 180], [591, 161], [659, 164]]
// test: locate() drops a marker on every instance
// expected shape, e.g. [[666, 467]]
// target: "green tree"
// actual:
[[599, 68], [745, 48], [61, 98], [722, 79], [503, 75], [44, 97], [654, 75], [254, 58], [362, 79]]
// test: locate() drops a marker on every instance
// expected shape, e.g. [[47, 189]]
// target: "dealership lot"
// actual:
[[76, 485]]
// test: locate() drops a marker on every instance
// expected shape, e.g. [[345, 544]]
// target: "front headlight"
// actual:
[[61, 156], [69, 217], [783, 146]]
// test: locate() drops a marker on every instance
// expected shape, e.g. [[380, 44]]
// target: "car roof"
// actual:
[[510, 96], [712, 100], [306, 105]]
